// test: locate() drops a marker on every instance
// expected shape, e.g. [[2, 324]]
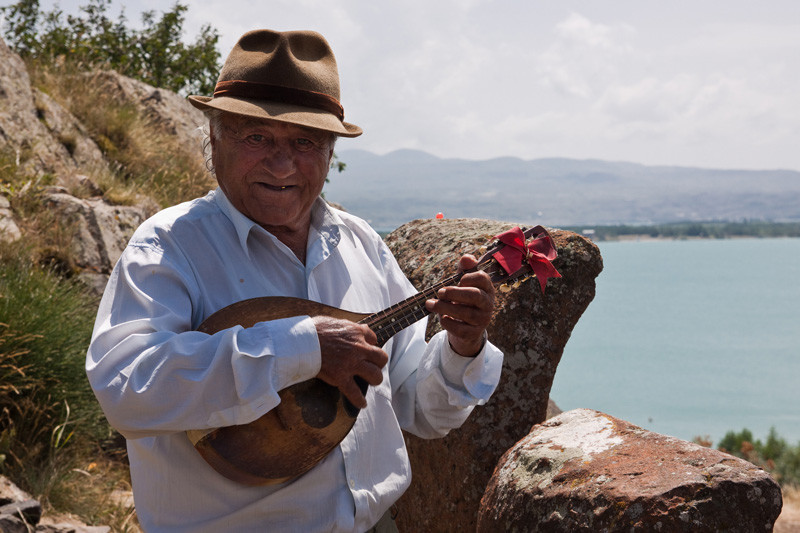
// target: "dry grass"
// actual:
[[789, 520], [791, 495], [144, 157]]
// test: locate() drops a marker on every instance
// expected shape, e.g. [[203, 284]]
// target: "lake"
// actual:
[[691, 338]]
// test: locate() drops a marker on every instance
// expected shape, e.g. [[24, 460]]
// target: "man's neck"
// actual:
[[295, 240]]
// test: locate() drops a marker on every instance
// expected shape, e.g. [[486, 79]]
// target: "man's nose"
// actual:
[[279, 161]]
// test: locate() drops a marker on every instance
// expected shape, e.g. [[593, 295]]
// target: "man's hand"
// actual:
[[348, 350], [465, 311]]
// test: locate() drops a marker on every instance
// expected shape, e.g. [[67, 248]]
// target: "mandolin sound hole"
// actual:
[[318, 402]]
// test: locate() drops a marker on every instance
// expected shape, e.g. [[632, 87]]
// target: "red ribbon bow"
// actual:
[[538, 253]]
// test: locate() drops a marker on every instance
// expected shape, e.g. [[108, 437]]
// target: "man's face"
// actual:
[[272, 172]]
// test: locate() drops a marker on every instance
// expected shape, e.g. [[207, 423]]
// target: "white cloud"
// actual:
[[710, 84], [584, 56]]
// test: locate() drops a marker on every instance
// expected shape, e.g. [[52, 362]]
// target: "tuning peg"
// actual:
[[505, 288], [483, 249], [516, 284]]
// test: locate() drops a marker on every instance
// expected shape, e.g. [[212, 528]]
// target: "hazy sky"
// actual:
[[711, 83]]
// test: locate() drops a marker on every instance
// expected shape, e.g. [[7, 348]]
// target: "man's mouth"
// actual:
[[276, 187]]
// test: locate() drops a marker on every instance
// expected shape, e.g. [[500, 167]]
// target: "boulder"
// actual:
[[24, 135], [173, 113], [41, 137], [450, 474], [100, 231], [19, 513], [9, 231], [72, 135], [587, 471]]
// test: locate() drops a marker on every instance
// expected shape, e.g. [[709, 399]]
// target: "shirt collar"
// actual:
[[325, 223]]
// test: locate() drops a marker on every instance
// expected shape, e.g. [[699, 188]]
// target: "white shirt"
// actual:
[[156, 377]]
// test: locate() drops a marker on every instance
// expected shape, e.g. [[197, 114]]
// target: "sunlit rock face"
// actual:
[[587, 471], [450, 474]]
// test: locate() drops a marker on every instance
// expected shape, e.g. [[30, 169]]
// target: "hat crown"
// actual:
[[287, 76], [294, 59]]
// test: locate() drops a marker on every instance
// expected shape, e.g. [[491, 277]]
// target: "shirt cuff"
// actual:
[[294, 347], [479, 375]]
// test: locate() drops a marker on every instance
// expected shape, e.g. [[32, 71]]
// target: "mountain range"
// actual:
[[389, 190]]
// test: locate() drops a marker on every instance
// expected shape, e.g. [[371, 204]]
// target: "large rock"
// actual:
[[450, 474], [587, 471], [35, 132], [44, 138], [9, 231], [81, 151], [19, 513], [173, 113], [100, 231]]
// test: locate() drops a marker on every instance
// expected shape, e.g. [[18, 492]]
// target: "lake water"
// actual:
[[691, 338]]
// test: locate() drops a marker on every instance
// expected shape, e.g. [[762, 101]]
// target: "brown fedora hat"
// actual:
[[285, 76]]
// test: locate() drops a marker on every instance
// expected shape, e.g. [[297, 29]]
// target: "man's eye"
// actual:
[[304, 145], [255, 138]]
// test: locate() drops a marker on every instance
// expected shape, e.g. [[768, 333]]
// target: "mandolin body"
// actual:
[[269, 450]]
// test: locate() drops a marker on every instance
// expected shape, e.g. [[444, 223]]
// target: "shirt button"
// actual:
[[352, 484]]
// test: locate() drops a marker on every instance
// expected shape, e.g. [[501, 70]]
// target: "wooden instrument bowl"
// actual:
[[312, 418]]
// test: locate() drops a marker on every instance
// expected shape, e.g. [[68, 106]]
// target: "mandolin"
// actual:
[[313, 417]]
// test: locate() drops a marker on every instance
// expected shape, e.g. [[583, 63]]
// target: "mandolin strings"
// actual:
[[396, 318]]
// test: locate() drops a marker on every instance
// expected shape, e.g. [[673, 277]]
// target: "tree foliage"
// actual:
[[155, 54], [775, 455]]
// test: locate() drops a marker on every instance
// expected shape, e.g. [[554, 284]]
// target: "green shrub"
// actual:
[[775, 455], [157, 54], [45, 327], [54, 441]]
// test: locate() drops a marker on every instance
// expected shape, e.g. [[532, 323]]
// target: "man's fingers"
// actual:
[[352, 392], [466, 262], [349, 387], [349, 350], [465, 310], [466, 297]]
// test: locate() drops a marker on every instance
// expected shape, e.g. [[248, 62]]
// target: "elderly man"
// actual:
[[265, 231]]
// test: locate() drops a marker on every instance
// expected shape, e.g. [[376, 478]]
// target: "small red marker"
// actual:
[[439, 215]]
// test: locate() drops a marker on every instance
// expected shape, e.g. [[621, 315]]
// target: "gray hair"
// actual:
[[214, 124], [214, 117]]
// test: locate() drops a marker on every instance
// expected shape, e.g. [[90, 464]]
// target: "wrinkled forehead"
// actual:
[[238, 124]]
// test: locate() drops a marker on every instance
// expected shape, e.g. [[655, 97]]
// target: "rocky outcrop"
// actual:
[[173, 113], [38, 138], [100, 231], [9, 231], [39, 135], [44, 138], [19, 513], [586, 471], [450, 474]]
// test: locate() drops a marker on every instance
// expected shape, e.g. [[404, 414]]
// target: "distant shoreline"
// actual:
[[679, 231], [688, 231], [649, 238]]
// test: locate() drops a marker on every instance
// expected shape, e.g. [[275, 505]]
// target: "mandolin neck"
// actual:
[[394, 319]]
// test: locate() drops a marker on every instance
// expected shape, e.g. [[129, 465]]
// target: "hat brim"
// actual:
[[289, 113]]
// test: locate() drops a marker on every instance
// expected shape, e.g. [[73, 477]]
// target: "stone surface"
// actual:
[[450, 474], [172, 112], [101, 230], [587, 471], [81, 151], [28, 510], [19, 513], [24, 135], [9, 231]]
